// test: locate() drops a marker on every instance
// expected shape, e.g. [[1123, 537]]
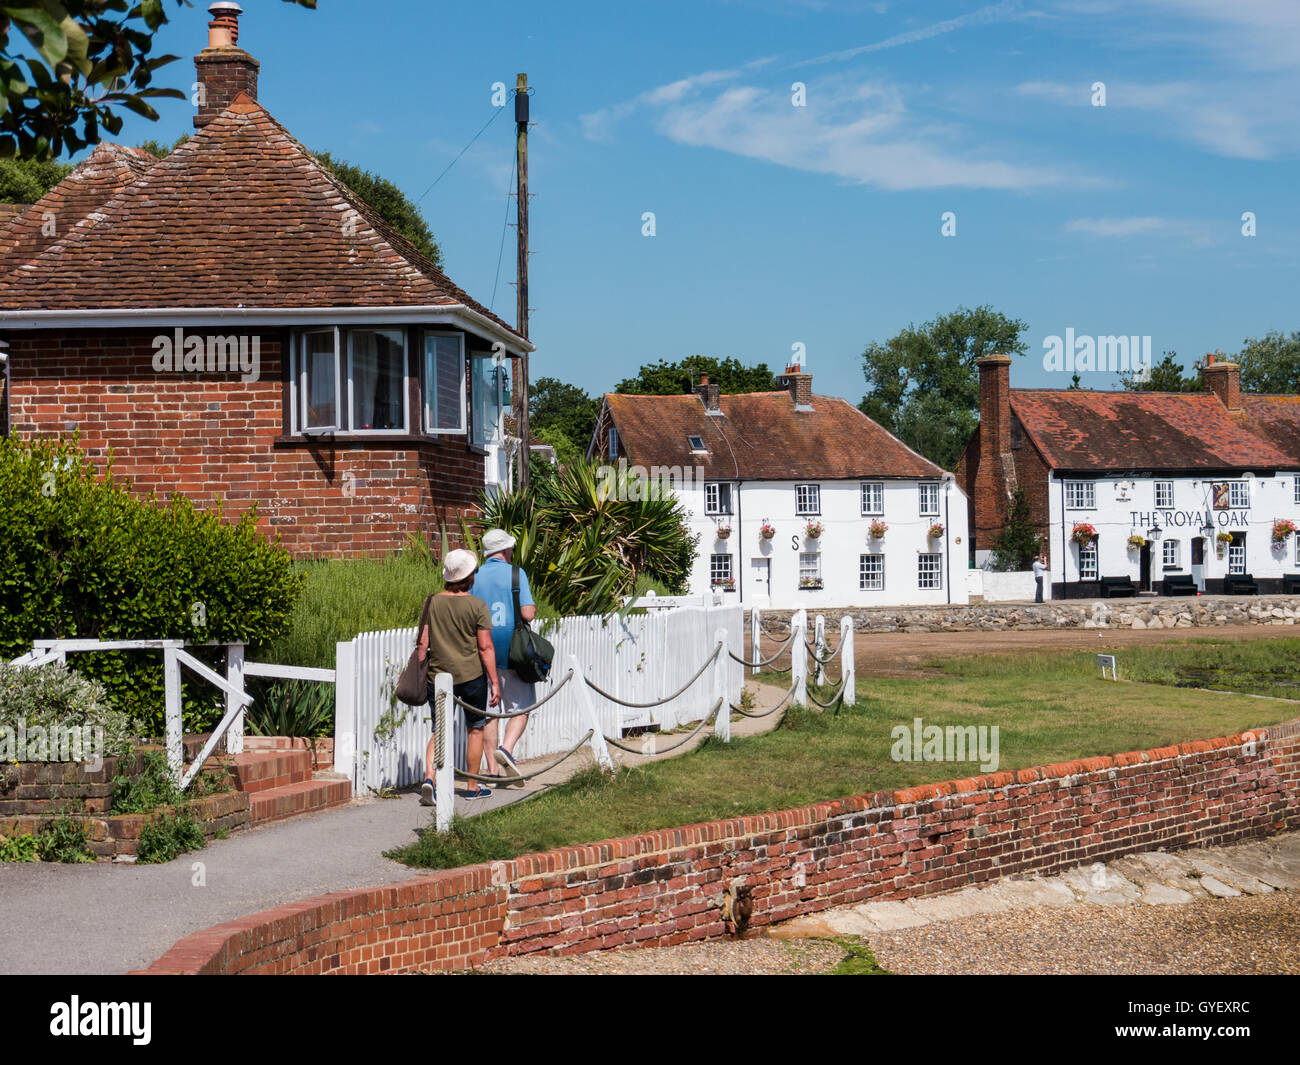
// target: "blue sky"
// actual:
[[820, 224]]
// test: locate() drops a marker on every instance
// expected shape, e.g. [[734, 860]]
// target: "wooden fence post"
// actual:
[[345, 711], [799, 657], [235, 677], [755, 634], [819, 652], [172, 710], [722, 723], [445, 779], [847, 671]]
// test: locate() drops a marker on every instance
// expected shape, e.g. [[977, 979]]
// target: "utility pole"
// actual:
[[521, 203]]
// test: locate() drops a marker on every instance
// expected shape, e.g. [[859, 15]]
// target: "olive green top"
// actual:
[[454, 624]]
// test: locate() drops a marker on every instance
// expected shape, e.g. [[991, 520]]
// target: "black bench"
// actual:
[[1243, 584], [1117, 586], [1178, 584], [1291, 584]]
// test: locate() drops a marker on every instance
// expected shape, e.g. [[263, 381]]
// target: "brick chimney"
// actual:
[[800, 385], [224, 70], [711, 394], [1224, 380], [995, 476]]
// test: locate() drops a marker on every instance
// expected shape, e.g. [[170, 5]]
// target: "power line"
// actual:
[[495, 112], [505, 224]]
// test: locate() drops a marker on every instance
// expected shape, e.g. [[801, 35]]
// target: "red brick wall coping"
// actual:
[[665, 887]]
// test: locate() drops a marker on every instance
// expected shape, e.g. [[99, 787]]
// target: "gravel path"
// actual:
[[1238, 936], [730, 957]]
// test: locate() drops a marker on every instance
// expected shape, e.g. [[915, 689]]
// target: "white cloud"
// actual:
[[1143, 226], [999, 12]]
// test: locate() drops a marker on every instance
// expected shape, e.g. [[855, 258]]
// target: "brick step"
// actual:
[[259, 771], [301, 797]]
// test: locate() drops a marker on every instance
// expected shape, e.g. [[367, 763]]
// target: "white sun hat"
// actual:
[[458, 565], [495, 540]]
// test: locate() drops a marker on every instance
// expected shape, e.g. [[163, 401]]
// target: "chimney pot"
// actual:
[[1224, 380], [224, 69], [710, 394]]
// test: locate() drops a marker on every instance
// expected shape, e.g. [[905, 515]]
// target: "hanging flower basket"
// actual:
[[1224, 538], [877, 529], [1282, 528], [814, 529], [1136, 542], [767, 530], [724, 531], [1083, 533], [936, 530]]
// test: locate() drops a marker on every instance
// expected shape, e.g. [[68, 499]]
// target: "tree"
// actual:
[[26, 180], [387, 201], [1271, 364], [555, 406], [665, 378], [923, 384], [566, 450], [1019, 541], [77, 62], [1166, 376]]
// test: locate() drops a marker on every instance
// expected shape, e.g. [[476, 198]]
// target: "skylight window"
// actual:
[[697, 444]]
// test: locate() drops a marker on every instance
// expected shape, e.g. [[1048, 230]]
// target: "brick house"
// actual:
[[1174, 485], [232, 323], [785, 459]]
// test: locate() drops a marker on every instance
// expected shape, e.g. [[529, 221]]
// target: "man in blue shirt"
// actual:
[[492, 584]]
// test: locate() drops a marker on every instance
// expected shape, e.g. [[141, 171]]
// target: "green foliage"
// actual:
[[147, 788], [80, 557], [665, 378], [1271, 364], [343, 597], [64, 840], [923, 384], [587, 538], [168, 837], [1019, 541], [560, 410], [24, 848], [77, 63], [567, 450], [293, 708], [160, 150], [387, 201], [1166, 376], [26, 180], [858, 959], [55, 695]]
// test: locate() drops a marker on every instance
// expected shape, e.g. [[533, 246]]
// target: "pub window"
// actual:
[[1172, 553], [1164, 495]]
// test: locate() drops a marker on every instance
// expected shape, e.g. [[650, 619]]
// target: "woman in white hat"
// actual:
[[458, 634]]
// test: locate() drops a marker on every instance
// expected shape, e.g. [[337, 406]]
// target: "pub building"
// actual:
[[1158, 492]]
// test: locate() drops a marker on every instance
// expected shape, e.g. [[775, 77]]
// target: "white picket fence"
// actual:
[[640, 658]]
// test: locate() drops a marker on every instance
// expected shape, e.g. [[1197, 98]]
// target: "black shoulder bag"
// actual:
[[530, 654]]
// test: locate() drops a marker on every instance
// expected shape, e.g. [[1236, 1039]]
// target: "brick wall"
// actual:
[[213, 437], [666, 887], [983, 478]]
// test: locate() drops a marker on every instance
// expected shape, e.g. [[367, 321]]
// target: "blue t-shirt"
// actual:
[[492, 585]]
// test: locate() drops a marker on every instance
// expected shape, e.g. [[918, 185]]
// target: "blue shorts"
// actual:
[[474, 692]]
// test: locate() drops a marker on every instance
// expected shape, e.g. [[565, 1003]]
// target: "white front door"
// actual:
[[760, 573]]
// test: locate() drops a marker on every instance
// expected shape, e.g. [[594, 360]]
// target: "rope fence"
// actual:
[[600, 743]]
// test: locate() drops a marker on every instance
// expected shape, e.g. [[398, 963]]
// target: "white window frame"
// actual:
[[1171, 559], [928, 489], [929, 568], [1296, 492], [298, 422], [1237, 489], [1296, 538], [425, 392], [1164, 495], [721, 568], [1236, 559], [713, 492], [800, 506], [871, 581], [872, 488], [810, 566], [1088, 561], [1080, 495], [406, 376]]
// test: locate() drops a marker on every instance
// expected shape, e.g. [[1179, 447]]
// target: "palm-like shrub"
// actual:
[[589, 535]]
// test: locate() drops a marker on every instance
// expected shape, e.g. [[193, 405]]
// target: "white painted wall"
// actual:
[[839, 547], [1126, 506], [1002, 587]]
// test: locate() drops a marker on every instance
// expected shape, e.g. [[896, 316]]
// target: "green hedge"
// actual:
[[80, 557]]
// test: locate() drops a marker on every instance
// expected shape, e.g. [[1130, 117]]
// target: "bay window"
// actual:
[[444, 383], [377, 380]]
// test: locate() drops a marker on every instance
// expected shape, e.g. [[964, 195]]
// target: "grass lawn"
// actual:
[[1049, 707]]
